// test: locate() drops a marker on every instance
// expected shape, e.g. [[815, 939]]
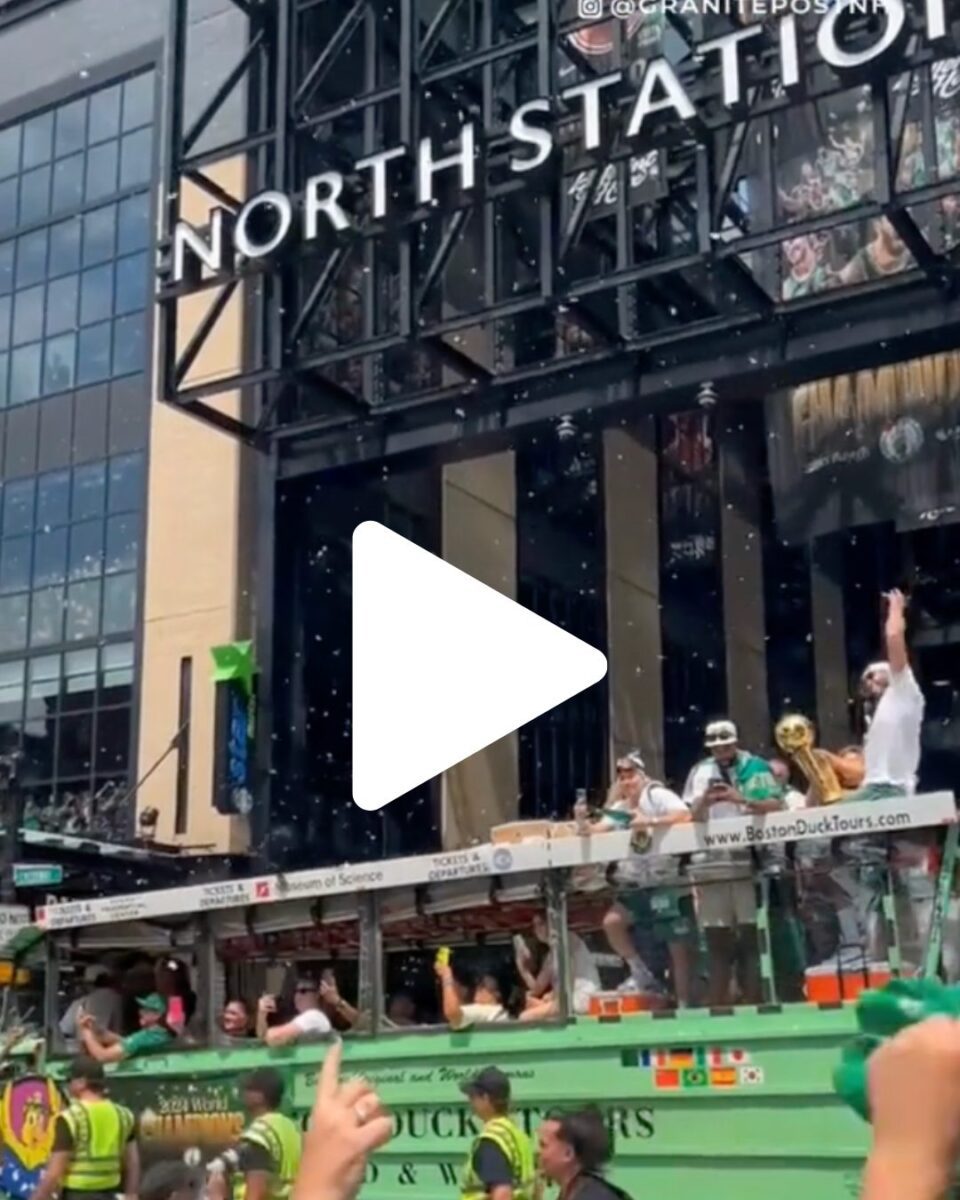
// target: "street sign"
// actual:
[[13, 918], [27, 875]]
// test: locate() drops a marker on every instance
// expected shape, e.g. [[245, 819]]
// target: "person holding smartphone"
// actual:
[[310, 1023], [729, 782]]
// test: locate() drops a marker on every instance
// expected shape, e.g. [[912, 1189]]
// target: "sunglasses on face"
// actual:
[[305, 991]]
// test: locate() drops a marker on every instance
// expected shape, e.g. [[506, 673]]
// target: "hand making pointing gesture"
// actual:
[[347, 1124]]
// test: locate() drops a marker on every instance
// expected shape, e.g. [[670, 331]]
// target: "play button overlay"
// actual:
[[443, 665]]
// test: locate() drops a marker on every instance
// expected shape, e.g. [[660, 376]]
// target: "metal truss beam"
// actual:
[[646, 271]]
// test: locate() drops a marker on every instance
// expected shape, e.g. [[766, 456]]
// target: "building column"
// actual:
[[479, 506], [829, 643], [741, 543], [634, 643]]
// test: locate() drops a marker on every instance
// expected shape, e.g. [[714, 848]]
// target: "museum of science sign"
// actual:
[[271, 220]]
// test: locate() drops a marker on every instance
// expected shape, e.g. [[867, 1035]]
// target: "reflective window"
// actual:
[[73, 310]]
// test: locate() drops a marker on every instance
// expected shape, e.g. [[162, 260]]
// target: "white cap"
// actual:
[[720, 733], [876, 668]]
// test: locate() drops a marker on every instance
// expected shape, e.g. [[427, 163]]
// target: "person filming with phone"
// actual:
[[310, 1024]]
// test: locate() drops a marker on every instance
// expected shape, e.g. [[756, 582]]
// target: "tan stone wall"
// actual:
[[480, 537], [198, 567]]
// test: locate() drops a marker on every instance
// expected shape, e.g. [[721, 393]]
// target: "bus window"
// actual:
[[459, 957], [294, 984]]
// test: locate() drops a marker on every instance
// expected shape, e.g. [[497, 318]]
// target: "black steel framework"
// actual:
[[480, 315]]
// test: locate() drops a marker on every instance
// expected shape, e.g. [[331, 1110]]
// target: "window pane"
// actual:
[[25, 374], [28, 315], [89, 491], [129, 345], [15, 564], [113, 739], [9, 151], [5, 308], [71, 127], [59, 356], [35, 195], [44, 686], [38, 750], [31, 258], [9, 197], [46, 617], [83, 610], [101, 171], [135, 158], [104, 114], [119, 603], [86, 549], [80, 679], [53, 499], [116, 680], [123, 536], [11, 690], [93, 355], [138, 99], [126, 483], [4, 379], [13, 622], [50, 557], [96, 294], [62, 304], [134, 228], [65, 246], [131, 284], [75, 745], [37, 140], [98, 235], [68, 183], [18, 507]]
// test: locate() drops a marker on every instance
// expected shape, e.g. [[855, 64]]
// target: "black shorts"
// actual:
[[77, 1194]]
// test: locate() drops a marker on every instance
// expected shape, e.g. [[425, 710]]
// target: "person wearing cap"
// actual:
[[730, 782], [153, 1036], [266, 1158], [103, 1003], [500, 1163], [637, 802], [891, 748], [94, 1153], [309, 1024]]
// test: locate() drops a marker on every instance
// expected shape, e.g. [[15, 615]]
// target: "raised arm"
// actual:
[[449, 997], [895, 632]]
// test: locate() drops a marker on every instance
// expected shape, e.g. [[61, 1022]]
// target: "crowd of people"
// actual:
[[684, 927]]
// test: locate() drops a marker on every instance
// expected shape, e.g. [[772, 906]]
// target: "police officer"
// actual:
[[267, 1157], [500, 1164], [94, 1153]]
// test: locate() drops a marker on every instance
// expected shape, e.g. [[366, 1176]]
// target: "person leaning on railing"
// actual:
[[153, 1036]]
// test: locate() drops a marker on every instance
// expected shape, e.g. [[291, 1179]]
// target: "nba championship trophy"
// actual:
[[794, 735]]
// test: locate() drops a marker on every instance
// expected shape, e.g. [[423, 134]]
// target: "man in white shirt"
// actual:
[[103, 1003], [310, 1024], [486, 1005], [891, 748]]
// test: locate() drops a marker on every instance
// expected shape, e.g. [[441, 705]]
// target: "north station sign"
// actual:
[[271, 221]]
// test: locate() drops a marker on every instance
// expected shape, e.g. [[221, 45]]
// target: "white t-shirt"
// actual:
[[702, 774], [480, 1014], [891, 749], [793, 800], [312, 1025], [655, 801], [583, 970]]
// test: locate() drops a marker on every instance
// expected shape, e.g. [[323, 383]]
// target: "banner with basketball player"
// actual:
[[878, 445]]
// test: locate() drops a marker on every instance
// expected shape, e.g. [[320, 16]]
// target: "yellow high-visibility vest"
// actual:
[[282, 1140], [101, 1130], [518, 1151]]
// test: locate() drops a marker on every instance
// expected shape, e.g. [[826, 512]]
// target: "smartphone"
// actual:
[[176, 1016], [443, 956]]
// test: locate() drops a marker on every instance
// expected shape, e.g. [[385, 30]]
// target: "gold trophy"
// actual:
[[794, 735]]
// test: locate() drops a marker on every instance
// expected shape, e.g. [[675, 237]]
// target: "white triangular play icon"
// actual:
[[443, 665]]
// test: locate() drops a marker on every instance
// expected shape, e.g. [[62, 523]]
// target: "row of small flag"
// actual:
[[696, 1067]]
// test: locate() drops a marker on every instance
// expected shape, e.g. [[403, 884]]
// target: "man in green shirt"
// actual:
[[152, 1037], [729, 782]]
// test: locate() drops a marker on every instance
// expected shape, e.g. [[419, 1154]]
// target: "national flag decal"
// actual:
[[689, 1067]]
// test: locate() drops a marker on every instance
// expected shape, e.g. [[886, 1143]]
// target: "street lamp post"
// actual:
[[11, 814]]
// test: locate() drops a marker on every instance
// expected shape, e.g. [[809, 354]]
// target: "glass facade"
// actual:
[[75, 231]]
